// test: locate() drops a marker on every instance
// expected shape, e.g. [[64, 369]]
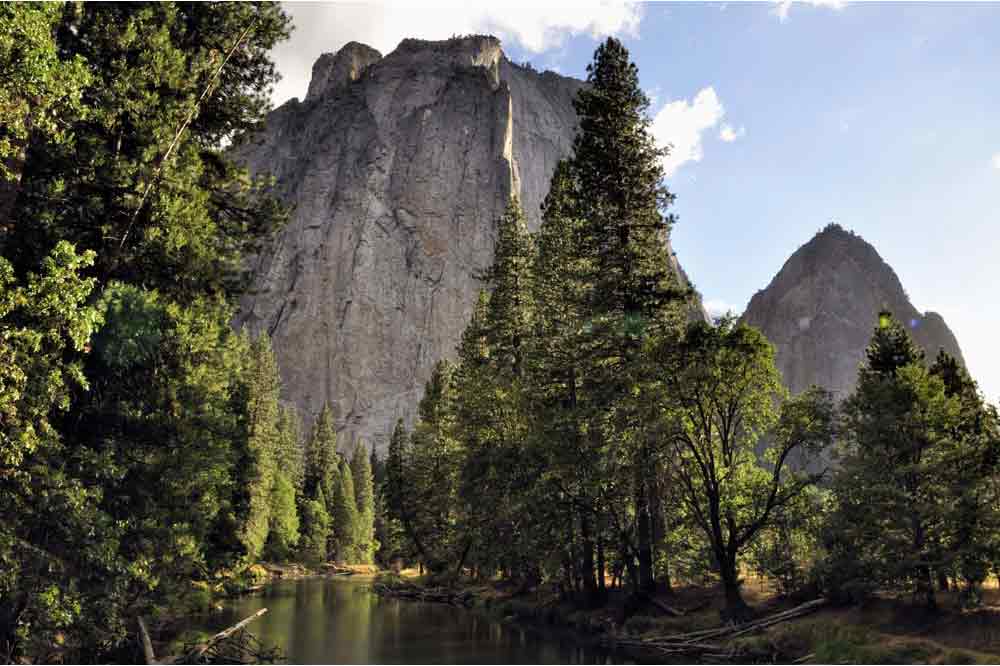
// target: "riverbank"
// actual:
[[884, 631]]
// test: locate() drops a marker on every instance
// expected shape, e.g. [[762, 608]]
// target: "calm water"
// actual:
[[339, 620]]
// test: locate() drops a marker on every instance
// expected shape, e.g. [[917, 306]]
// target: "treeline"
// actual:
[[142, 444], [589, 434]]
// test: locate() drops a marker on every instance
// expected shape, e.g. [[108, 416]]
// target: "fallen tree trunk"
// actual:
[[705, 644], [429, 594], [198, 653], [195, 653]]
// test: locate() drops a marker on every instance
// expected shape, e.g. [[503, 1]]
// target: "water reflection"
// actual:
[[340, 621]]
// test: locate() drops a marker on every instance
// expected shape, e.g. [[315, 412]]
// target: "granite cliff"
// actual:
[[398, 168], [820, 309]]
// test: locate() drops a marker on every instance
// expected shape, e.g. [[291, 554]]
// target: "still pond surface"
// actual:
[[340, 620]]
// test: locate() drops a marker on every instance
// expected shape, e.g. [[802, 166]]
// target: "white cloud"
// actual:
[[536, 27], [717, 307], [680, 124], [782, 7], [728, 134], [996, 160]]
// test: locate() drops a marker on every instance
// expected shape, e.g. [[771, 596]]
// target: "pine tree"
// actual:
[[260, 459], [283, 534], [397, 496], [343, 516], [432, 475], [322, 460], [96, 152], [290, 454], [364, 495], [633, 295], [315, 528], [892, 497], [554, 377]]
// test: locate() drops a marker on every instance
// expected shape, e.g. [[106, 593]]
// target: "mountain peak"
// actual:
[[820, 309], [335, 70]]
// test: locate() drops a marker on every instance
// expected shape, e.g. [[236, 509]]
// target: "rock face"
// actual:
[[398, 168], [820, 310]]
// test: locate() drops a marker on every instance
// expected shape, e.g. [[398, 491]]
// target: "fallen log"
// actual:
[[197, 651], [669, 610], [147, 645], [705, 645]]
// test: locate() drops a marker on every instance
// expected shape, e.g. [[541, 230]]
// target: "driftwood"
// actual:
[[431, 594], [147, 645], [197, 651], [705, 644], [245, 648], [669, 610]]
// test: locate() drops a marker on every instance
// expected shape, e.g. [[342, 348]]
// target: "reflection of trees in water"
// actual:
[[336, 621]]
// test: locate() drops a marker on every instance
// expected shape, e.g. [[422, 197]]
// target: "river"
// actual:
[[340, 620]]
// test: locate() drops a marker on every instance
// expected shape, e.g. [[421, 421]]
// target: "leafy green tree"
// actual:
[[42, 322], [39, 89], [365, 543], [112, 145], [720, 391]]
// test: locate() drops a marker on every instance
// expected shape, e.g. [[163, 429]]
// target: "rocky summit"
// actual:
[[820, 309], [398, 168]]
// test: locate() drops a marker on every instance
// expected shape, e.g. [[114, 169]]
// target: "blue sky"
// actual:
[[883, 117]]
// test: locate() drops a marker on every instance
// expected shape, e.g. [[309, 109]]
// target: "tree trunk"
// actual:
[[601, 567], [736, 609], [646, 580], [587, 560]]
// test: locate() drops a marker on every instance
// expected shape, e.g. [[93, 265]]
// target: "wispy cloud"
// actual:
[[680, 125], [782, 8], [996, 160]]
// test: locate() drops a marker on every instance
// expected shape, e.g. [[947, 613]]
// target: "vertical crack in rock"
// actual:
[[398, 168]]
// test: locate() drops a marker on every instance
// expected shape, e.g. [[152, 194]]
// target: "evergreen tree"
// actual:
[[259, 461], [398, 528], [322, 460], [315, 528], [111, 144], [432, 476], [343, 510], [633, 295], [283, 531], [892, 498], [364, 495], [286, 492], [291, 460]]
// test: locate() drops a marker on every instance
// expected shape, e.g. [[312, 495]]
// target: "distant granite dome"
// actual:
[[820, 310], [398, 168]]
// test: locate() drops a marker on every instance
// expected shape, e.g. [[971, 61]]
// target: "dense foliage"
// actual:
[[586, 432], [589, 433], [142, 444]]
